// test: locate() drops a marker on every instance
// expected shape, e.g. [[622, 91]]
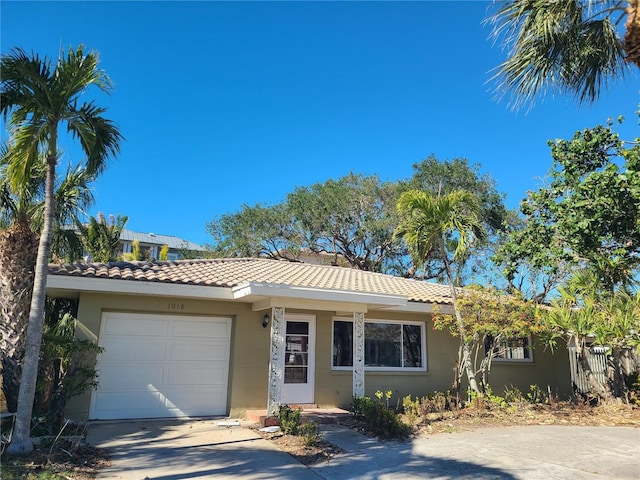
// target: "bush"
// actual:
[[310, 432], [289, 419], [378, 418]]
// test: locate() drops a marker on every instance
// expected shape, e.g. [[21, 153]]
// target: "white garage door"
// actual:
[[156, 366]]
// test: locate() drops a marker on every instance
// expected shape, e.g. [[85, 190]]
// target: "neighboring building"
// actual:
[[152, 243], [222, 336]]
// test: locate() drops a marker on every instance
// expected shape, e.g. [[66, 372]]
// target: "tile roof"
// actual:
[[230, 272]]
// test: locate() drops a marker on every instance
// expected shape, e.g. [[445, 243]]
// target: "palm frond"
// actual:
[[570, 47]]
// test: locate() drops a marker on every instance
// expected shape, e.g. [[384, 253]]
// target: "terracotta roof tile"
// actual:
[[235, 271]]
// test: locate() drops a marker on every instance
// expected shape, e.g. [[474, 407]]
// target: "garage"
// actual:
[[157, 366]]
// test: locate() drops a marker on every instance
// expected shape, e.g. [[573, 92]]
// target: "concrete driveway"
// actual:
[[202, 449]]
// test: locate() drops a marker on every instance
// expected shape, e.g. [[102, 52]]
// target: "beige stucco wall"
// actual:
[[250, 355]]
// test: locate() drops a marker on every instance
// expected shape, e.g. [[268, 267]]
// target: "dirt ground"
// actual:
[[78, 462], [471, 418]]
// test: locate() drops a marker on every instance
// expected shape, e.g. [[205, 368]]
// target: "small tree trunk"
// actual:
[[464, 353], [631, 42], [21, 442]]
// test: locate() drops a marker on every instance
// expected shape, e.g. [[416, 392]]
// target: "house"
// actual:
[[152, 243], [221, 336]]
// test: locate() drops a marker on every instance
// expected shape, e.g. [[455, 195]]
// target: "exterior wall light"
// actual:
[[265, 320]]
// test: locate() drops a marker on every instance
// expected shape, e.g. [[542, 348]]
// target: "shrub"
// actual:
[[289, 419], [378, 418], [310, 432]]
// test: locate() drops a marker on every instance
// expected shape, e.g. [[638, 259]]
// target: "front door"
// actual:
[[299, 360]]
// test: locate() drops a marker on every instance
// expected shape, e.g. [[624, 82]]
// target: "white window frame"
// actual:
[[423, 345], [509, 348]]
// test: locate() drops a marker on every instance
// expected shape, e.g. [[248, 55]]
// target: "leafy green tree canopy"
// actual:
[[587, 215], [350, 221]]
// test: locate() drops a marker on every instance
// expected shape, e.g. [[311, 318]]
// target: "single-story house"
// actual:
[[222, 336]]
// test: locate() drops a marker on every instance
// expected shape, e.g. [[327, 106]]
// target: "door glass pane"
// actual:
[[298, 327], [296, 352]]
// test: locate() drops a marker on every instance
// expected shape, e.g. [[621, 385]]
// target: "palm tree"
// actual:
[[101, 239], [428, 222], [38, 99], [21, 217], [571, 46]]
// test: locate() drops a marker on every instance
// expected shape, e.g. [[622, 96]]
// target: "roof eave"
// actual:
[[71, 284]]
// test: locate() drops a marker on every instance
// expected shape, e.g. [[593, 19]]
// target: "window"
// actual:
[[518, 349], [388, 345]]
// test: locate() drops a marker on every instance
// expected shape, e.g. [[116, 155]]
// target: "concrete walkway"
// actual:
[[202, 449], [173, 450]]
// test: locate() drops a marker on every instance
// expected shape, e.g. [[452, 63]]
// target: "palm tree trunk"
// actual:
[[465, 351], [18, 251], [631, 42], [21, 442]]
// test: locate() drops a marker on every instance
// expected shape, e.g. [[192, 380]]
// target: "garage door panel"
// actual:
[[140, 400], [198, 401], [200, 352], [126, 376], [156, 366], [198, 329], [196, 375], [135, 325], [126, 349]]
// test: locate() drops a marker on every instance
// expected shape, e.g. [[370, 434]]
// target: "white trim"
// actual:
[[423, 346], [287, 291], [529, 348], [110, 285]]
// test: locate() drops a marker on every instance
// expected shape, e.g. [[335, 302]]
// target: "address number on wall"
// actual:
[[175, 306]]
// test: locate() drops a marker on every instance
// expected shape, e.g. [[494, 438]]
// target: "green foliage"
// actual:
[[485, 401], [350, 221], [310, 432], [587, 216], [289, 419], [588, 313], [164, 253], [101, 239], [490, 319], [64, 369], [379, 419], [24, 202], [565, 46], [137, 254]]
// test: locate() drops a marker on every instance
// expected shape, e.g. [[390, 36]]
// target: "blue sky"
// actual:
[[225, 103]]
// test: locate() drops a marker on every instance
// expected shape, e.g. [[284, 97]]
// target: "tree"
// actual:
[[101, 239], [585, 314], [351, 221], [587, 216], [38, 98], [571, 46], [426, 221], [21, 218], [492, 321], [439, 177]]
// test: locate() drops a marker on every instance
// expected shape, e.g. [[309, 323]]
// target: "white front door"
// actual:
[[299, 360]]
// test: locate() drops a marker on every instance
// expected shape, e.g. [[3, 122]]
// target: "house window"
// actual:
[[388, 345], [516, 349]]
